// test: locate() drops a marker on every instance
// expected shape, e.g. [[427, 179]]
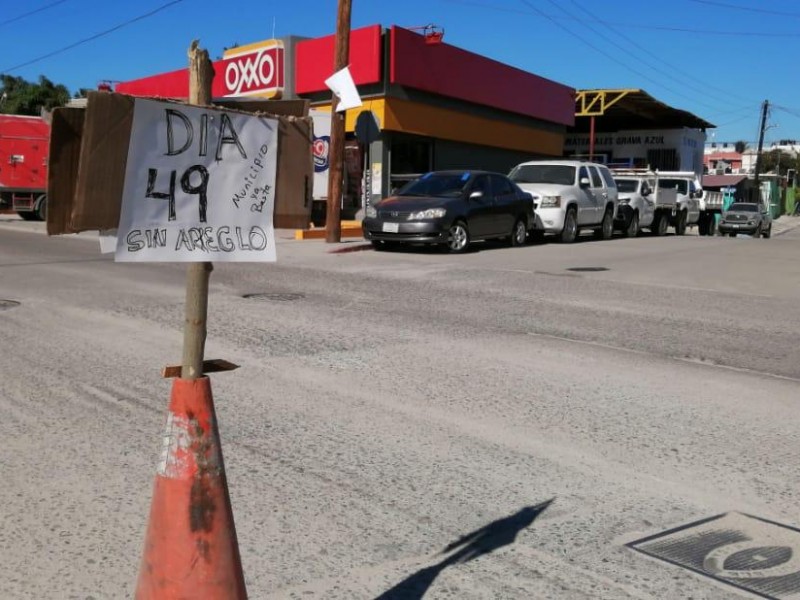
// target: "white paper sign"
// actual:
[[341, 83], [199, 186]]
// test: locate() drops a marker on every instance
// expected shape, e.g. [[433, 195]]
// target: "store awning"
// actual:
[[625, 109]]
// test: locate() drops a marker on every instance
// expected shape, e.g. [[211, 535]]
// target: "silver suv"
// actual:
[[569, 195]]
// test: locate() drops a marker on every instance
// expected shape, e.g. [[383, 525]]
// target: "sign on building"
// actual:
[[253, 70]]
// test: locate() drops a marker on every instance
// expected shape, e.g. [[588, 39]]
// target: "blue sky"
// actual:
[[719, 59]]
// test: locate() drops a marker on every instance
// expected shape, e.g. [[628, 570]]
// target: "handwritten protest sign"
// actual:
[[199, 186]]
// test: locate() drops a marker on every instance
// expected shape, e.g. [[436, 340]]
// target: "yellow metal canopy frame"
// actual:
[[594, 103]]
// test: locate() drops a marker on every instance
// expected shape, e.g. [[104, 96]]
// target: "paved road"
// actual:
[[390, 403]]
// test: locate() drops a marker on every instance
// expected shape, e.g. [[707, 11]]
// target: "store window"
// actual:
[[410, 157]]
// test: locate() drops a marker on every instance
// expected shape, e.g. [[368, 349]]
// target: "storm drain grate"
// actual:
[[750, 553], [275, 296], [6, 304], [587, 269]]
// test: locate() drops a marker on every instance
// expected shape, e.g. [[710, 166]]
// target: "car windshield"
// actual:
[[437, 184], [627, 185], [742, 207], [558, 174], [682, 185]]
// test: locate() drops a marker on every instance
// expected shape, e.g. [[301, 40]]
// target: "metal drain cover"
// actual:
[[587, 269], [6, 304], [750, 553], [275, 296]]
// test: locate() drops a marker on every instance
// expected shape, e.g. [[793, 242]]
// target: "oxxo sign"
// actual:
[[253, 70]]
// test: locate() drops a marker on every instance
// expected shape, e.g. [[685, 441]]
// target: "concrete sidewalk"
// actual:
[[785, 223]]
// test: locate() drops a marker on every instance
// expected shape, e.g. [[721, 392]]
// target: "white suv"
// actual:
[[569, 195]]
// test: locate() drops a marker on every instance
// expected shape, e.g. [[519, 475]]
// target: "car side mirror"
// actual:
[[646, 192], [584, 182], [475, 195]]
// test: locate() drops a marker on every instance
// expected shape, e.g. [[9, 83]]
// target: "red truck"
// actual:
[[24, 147]]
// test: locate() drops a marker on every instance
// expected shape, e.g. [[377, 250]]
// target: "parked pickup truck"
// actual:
[[690, 193], [752, 218], [569, 195], [643, 203]]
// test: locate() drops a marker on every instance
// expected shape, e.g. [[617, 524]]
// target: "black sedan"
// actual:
[[451, 208]]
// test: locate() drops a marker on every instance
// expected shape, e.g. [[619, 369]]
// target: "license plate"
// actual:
[[736, 227], [391, 227]]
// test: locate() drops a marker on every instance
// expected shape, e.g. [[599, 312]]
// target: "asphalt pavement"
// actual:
[[511, 423]]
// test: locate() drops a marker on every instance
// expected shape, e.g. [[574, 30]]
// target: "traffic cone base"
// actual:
[[191, 549]]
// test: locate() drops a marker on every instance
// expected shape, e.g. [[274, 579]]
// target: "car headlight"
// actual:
[[431, 213], [550, 202], [371, 212]]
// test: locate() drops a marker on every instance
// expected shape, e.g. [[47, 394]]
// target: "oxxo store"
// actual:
[[436, 106]]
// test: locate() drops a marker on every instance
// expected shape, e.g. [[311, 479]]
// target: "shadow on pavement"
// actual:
[[485, 540]]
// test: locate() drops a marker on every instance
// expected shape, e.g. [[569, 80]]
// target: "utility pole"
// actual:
[[333, 223], [762, 129]]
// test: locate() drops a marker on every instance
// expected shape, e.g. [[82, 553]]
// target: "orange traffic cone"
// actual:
[[191, 549]]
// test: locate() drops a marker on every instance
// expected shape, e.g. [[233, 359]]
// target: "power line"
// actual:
[[643, 26], [606, 54], [91, 38], [31, 12], [747, 8], [684, 78]]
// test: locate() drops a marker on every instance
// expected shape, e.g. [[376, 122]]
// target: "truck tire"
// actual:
[[40, 208], [659, 226], [633, 227], [768, 233], [570, 230], [680, 223], [702, 225]]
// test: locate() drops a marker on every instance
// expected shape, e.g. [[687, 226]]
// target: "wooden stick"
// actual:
[[198, 274]]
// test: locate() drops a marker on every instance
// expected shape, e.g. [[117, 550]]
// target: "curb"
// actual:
[[788, 229]]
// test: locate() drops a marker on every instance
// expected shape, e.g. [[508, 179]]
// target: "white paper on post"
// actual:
[[341, 83], [199, 186]]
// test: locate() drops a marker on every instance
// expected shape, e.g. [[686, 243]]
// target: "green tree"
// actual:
[[740, 146], [21, 97], [771, 160]]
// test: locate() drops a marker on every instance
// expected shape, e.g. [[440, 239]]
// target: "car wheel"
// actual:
[[731, 235], [680, 223], [570, 230], [519, 234], [606, 230], [633, 227], [458, 237], [712, 225], [757, 232], [768, 232]]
